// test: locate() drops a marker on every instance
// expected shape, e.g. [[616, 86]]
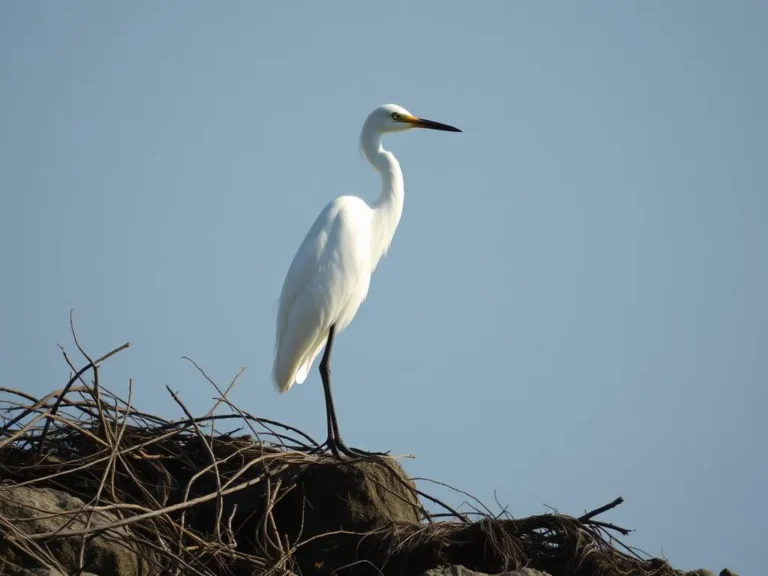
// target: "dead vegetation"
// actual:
[[188, 499]]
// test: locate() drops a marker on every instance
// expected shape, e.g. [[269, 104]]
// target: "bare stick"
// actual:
[[110, 466], [72, 380], [598, 511], [609, 526], [210, 380], [467, 494], [214, 462], [146, 515]]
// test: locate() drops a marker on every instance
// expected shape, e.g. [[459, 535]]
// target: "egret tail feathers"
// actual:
[[299, 371]]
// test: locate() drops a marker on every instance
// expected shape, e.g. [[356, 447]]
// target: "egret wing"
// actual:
[[324, 276]]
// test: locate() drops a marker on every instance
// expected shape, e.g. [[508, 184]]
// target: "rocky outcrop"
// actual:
[[176, 499], [326, 497], [347, 499], [43, 510]]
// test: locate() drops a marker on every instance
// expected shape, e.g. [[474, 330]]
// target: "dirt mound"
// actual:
[[92, 484]]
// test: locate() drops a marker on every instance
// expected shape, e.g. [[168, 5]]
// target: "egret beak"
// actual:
[[422, 123]]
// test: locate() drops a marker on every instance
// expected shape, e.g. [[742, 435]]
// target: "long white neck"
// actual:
[[389, 206]]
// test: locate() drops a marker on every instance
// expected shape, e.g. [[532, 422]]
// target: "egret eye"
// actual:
[[395, 116]]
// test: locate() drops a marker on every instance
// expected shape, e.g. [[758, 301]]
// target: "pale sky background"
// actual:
[[574, 305]]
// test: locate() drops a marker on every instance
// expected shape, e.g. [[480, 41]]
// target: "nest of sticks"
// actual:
[[171, 487]]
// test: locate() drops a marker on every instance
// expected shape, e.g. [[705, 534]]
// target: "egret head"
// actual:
[[394, 118]]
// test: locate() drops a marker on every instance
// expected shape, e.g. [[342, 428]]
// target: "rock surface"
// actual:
[[328, 496], [355, 496], [350, 497], [36, 510], [346, 499]]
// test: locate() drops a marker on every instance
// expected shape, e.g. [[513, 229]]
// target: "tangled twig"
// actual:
[[169, 490]]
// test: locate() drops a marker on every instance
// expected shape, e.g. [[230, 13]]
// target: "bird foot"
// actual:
[[341, 451], [338, 448]]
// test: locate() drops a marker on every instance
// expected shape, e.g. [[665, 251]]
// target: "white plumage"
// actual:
[[331, 271], [326, 283]]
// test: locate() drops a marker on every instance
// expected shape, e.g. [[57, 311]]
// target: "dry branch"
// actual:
[[174, 487]]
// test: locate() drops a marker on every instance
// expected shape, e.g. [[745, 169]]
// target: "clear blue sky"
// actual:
[[574, 305]]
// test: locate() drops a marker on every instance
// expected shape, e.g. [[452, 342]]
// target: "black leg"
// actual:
[[325, 374], [334, 442]]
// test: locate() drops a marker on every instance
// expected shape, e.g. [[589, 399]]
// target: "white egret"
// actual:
[[331, 271]]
